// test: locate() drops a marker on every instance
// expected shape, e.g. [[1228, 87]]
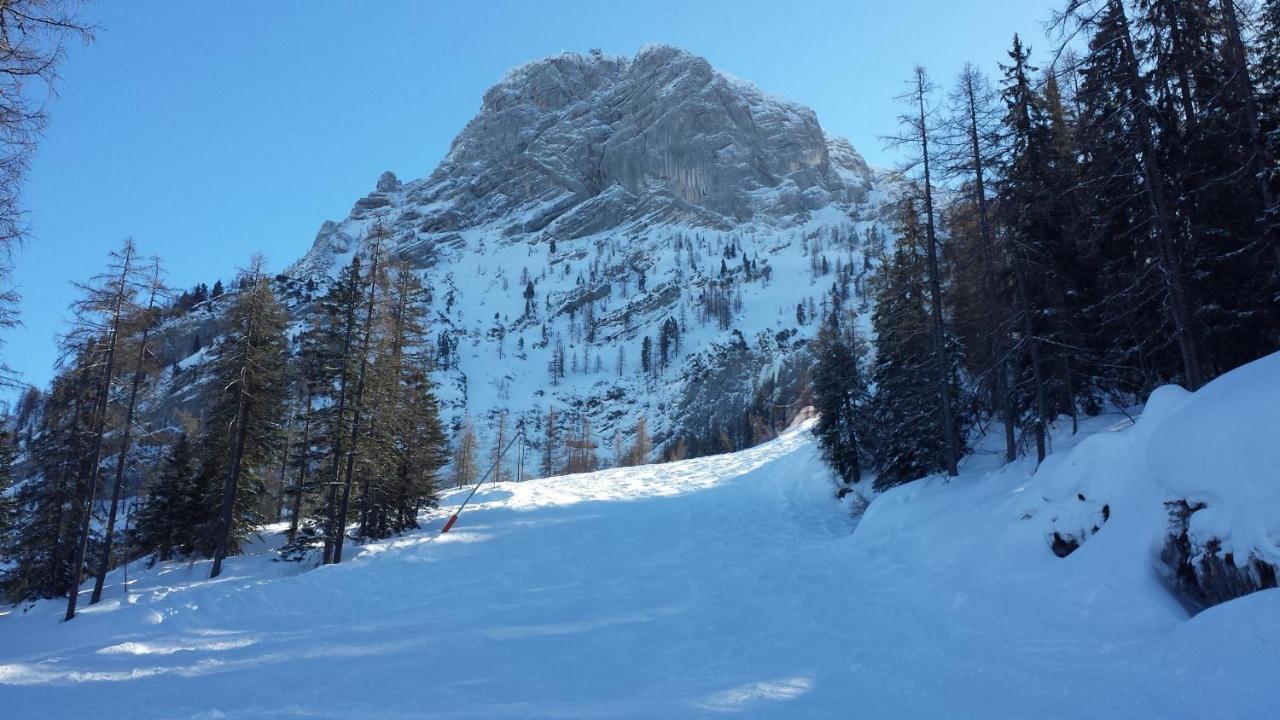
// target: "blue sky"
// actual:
[[210, 131]]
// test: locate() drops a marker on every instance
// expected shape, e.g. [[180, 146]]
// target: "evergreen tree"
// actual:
[[248, 386], [333, 375], [406, 442], [910, 441], [40, 546], [1032, 230], [375, 248], [839, 396], [166, 520], [1124, 162]]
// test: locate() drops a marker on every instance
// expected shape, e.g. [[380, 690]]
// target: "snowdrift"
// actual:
[[731, 585]]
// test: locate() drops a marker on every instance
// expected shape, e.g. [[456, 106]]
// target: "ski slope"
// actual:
[[722, 586]]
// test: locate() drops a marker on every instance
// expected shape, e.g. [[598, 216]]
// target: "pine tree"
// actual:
[[406, 442], [1121, 147], [910, 441], [839, 396], [1026, 196], [165, 521], [333, 376], [1207, 131], [245, 411]]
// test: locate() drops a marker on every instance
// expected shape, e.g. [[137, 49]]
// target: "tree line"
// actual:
[[1071, 234], [328, 422]]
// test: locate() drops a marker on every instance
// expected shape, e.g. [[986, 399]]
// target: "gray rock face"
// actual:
[[575, 144], [664, 124]]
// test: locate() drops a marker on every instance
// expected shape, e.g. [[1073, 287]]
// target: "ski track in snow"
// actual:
[[721, 586]]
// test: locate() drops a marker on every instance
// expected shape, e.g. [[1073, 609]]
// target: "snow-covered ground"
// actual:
[[721, 586]]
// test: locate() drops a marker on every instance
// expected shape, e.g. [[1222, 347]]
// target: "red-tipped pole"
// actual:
[[489, 472]]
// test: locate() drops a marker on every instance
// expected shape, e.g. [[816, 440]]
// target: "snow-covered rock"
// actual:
[[1192, 489], [1218, 458]]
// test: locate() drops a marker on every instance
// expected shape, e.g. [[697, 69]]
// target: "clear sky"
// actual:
[[210, 131]]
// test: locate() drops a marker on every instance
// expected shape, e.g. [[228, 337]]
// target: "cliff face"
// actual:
[[575, 145]]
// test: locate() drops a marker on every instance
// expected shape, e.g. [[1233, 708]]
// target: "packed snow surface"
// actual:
[[729, 585]]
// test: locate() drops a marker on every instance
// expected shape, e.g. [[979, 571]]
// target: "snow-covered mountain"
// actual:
[[594, 199]]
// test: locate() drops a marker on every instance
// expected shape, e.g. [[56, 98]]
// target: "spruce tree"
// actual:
[[904, 411], [164, 524], [839, 396]]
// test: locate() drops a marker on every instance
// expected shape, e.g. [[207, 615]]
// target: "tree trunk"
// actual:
[[303, 459], [999, 348], [365, 341], [336, 469], [118, 486], [1033, 349], [232, 485], [1153, 177], [99, 436], [935, 290]]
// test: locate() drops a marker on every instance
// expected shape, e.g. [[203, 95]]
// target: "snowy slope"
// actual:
[[725, 585]]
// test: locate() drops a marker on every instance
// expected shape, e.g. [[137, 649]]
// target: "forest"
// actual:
[[1074, 233]]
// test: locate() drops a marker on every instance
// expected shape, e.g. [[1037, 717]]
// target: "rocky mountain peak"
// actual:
[[597, 204], [661, 134]]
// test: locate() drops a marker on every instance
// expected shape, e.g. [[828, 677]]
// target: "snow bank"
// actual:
[[1221, 448]]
